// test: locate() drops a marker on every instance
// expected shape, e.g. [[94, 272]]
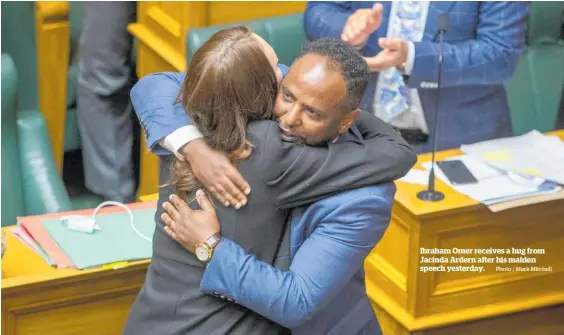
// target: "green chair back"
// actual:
[[19, 41], [30, 182], [12, 191], [284, 33], [534, 92]]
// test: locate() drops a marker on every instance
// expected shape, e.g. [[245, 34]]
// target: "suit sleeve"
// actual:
[[154, 99], [321, 268], [299, 176], [326, 18], [490, 58]]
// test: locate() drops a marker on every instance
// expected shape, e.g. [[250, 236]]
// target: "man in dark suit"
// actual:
[[106, 73], [155, 99]]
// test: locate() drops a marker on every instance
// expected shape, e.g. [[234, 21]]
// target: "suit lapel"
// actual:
[[385, 18]]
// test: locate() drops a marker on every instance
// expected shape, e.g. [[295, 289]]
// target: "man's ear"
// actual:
[[348, 120]]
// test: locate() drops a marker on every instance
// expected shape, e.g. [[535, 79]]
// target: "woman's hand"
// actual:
[[187, 226], [214, 170]]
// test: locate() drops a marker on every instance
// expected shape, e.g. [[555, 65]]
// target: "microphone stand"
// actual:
[[430, 194]]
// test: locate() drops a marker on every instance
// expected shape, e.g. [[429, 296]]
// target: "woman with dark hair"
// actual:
[[230, 94], [232, 80]]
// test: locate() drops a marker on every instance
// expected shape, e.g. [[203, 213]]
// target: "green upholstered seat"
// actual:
[[284, 33], [534, 92], [18, 40], [30, 181]]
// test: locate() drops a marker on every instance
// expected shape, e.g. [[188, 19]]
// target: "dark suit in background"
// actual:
[[106, 75]]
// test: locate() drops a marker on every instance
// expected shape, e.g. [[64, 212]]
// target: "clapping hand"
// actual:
[[361, 24], [394, 53]]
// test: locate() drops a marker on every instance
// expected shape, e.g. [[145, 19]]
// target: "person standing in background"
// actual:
[[106, 75], [399, 41]]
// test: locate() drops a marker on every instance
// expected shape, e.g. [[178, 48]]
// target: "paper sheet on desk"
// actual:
[[115, 242], [33, 226], [415, 176], [531, 154], [526, 201], [22, 235], [494, 186]]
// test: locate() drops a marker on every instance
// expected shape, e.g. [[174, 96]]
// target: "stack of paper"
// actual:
[[531, 154], [495, 185], [116, 241], [507, 169]]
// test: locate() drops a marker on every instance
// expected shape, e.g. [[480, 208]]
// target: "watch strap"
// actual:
[[213, 240]]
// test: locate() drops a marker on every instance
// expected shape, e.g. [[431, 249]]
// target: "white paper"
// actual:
[[493, 185], [530, 154], [415, 176]]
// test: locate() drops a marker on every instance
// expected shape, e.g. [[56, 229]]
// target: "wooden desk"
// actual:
[[37, 299], [40, 300], [160, 31], [408, 301]]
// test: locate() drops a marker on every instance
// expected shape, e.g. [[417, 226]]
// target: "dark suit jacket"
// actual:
[[282, 175]]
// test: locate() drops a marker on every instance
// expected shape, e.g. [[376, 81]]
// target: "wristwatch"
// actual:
[[204, 250]]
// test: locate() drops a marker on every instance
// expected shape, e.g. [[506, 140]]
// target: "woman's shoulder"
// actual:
[[266, 134], [261, 127], [267, 144]]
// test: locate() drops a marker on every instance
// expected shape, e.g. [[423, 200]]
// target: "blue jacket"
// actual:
[[155, 101], [324, 291], [482, 46]]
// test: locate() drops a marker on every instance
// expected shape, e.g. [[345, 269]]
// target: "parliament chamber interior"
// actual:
[[484, 256]]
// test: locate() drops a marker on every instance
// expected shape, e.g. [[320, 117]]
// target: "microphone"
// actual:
[[442, 23], [430, 194]]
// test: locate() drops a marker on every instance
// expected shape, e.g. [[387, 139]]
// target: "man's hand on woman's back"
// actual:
[[215, 171]]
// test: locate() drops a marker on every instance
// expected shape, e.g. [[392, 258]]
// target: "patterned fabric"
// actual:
[[394, 102]]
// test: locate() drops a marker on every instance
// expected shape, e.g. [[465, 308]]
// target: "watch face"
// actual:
[[202, 253]]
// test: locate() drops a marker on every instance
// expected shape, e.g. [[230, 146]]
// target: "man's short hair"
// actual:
[[346, 59]]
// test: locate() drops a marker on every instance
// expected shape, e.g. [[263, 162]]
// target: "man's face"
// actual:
[[310, 102]]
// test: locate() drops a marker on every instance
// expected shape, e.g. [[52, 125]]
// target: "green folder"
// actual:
[[115, 242]]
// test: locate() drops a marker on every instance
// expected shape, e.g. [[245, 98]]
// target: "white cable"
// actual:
[[115, 203]]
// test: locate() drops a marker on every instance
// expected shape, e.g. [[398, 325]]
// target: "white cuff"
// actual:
[[410, 58], [179, 138]]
